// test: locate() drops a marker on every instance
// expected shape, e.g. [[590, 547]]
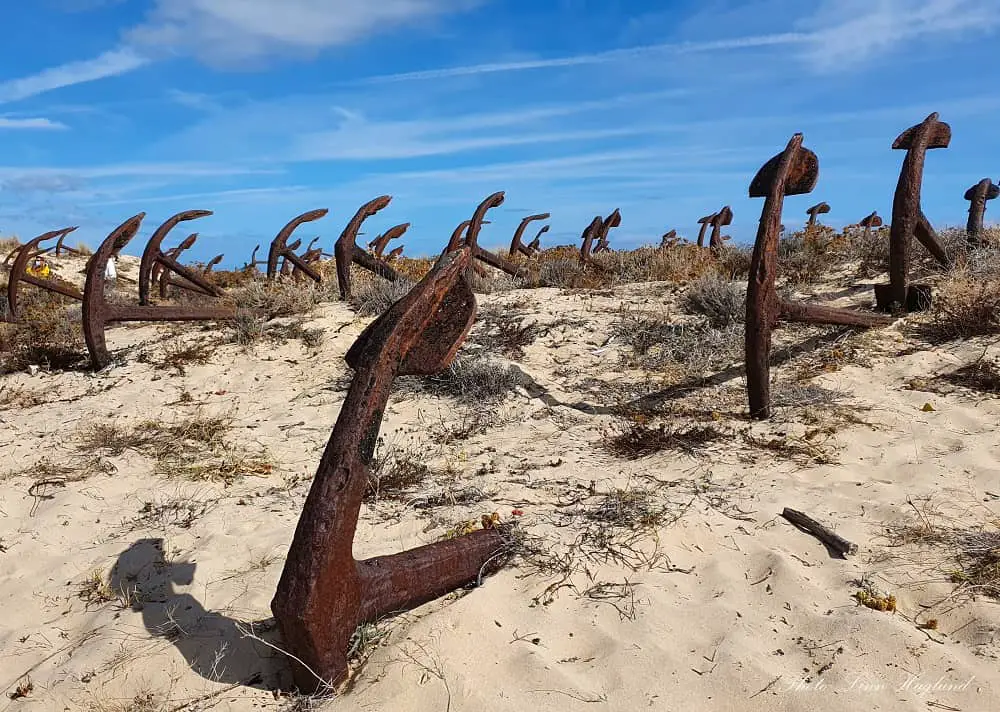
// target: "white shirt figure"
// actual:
[[110, 271]]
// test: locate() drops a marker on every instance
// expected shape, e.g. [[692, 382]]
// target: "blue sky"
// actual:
[[262, 109]]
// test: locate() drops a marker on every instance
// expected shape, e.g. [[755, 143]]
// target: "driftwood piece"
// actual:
[[794, 171], [324, 593], [977, 196], [908, 220], [346, 251], [833, 541]]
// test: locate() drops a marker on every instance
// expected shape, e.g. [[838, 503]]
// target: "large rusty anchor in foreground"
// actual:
[[517, 246], [280, 249], [19, 273], [909, 221], [98, 312], [794, 171], [977, 196], [153, 255], [347, 252], [324, 594]]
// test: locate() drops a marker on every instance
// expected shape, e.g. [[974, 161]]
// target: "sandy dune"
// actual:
[[718, 604]]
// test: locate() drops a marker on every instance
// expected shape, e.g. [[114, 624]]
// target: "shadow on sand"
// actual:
[[210, 642]]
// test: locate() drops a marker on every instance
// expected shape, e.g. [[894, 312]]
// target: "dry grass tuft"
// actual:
[[393, 474], [47, 334], [722, 302], [633, 441], [372, 296], [966, 304], [195, 448], [690, 350], [472, 379]]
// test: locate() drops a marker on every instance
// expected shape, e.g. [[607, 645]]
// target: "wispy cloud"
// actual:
[[849, 33], [231, 32], [608, 57], [35, 124], [108, 64]]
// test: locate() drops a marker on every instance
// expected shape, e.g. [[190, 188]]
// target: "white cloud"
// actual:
[[616, 55], [31, 124], [851, 32], [230, 32], [109, 64]]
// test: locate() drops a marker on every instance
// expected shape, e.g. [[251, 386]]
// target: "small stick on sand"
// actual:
[[828, 537]]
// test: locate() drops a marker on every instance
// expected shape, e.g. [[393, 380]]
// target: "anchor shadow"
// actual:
[[211, 643]]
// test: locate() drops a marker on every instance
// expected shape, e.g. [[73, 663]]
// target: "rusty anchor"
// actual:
[[870, 221], [153, 254], [472, 238], [324, 594], [281, 249], [977, 196], [669, 239], [517, 246], [98, 312], [535, 246], [598, 230], [815, 211], [794, 171], [347, 252], [174, 253], [379, 244], [395, 254], [704, 222], [909, 221], [719, 220], [455, 241], [19, 273]]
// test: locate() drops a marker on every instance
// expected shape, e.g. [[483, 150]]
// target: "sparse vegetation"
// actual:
[[717, 299], [194, 448], [632, 440]]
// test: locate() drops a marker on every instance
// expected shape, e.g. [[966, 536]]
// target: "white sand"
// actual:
[[738, 610]]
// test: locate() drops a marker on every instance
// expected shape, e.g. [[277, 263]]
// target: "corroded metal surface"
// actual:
[[535, 245], [98, 312], [719, 220], [379, 244], [977, 196], [19, 273], [157, 273], [153, 254], [395, 254], [62, 247], [794, 171], [908, 220], [347, 252], [516, 245], [815, 211], [704, 222], [324, 593], [281, 249], [472, 238], [590, 233]]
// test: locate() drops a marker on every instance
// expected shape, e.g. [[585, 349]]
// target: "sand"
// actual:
[[721, 605]]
